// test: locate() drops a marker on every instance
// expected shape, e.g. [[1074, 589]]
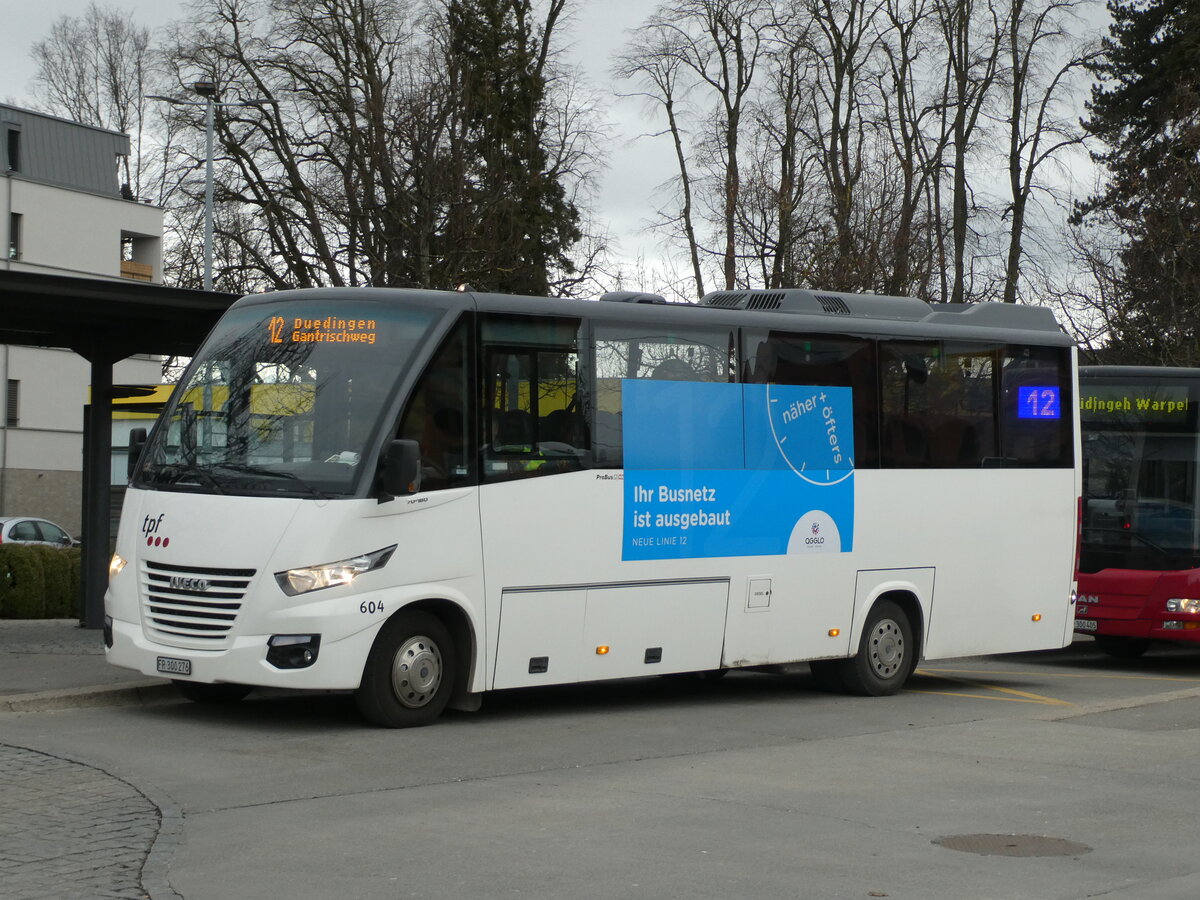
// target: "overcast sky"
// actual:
[[636, 165]]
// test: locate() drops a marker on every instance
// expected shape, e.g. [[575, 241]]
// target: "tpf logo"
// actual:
[[150, 528]]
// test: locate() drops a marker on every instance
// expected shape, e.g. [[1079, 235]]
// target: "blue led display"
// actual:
[[1039, 403]]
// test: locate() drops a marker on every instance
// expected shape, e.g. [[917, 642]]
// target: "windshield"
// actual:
[[284, 398], [1139, 456]]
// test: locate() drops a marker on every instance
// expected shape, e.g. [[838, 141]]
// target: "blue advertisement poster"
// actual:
[[736, 469]]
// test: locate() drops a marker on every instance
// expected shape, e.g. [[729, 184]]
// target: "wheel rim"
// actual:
[[416, 671], [887, 649]]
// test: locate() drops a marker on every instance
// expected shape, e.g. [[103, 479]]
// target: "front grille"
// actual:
[[191, 606]]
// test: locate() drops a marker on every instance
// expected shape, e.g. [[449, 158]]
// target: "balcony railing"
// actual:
[[136, 270]]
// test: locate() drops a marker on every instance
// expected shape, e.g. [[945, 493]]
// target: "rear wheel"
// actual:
[[886, 653], [199, 692], [1122, 647], [409, 674]]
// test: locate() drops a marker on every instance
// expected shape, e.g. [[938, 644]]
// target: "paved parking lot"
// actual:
[[1042, 776], [70, 830]]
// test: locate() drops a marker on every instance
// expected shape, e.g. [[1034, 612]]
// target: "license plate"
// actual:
[[1085, 624], [169, 665]]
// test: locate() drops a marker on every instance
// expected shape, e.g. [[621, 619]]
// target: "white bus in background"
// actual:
[[423, 496]]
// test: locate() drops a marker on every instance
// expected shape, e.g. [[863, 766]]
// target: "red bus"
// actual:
[[1139, 564]]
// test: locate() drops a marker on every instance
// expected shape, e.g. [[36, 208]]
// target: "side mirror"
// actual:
[[401, 468], [137, 440]]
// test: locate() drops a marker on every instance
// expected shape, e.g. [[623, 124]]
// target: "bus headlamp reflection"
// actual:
[[327, 575], [1182, 605]]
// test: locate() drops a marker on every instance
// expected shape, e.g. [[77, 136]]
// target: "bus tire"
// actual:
[[885, 655], [200, 692], [1122, 647], [409, 675]]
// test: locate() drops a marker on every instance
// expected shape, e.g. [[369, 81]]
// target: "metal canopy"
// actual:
[[112, 319], [104, 322]]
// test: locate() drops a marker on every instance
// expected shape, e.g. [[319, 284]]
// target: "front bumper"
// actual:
[[244, 661], [1145, 629]]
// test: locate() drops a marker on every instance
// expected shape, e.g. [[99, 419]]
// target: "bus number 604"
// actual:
[[370, 606]]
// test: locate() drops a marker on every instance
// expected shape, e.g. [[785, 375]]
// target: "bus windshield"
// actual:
[[284, 398], [1139, 489]]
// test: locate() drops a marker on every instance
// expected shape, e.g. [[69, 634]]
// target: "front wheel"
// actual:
[[886, 653], [409, 674]]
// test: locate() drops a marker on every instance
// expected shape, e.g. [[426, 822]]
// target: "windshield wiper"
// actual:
[[180, 472], [1129, 532], [247, 469]]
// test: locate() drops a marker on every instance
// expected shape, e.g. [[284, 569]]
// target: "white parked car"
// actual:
[[30, 530]]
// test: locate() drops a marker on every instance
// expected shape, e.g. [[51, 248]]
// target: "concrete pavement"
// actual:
[[55, 664], [753, 787]]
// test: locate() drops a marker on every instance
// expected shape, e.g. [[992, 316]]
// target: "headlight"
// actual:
[[316, 578], [115, 565], [1183, 606]]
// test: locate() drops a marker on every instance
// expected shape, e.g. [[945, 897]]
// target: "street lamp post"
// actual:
[[207, 90]]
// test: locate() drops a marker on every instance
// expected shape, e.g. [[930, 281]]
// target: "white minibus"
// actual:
[[422, 496]]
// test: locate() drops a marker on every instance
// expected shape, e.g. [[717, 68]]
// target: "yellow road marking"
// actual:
[[988, 697], [1125, 676], [1012, 695]]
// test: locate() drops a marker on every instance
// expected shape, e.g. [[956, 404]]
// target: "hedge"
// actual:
[[39, 582]]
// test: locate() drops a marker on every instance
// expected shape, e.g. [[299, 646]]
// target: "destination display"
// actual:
[[1161, 404], [1039, 403], [329, 330]]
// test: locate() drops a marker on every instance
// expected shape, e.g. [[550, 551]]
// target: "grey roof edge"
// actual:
[[904, 318], [998, 315], [988, 315], [53, 118]]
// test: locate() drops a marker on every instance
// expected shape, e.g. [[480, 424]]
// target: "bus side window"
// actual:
[[822, 359], [531, 402], [437, 417], [938, 405], [1036, 407], [629, 351], [903, 373]]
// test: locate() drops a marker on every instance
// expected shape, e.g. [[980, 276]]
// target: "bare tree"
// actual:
[[283, 158], [779, 119], [94, 68], [910, 120], [844, 39], [869, 132], [973, 33], [714, 46], [654, 59], [348, 153], [1043, 57], [1089, 296]]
